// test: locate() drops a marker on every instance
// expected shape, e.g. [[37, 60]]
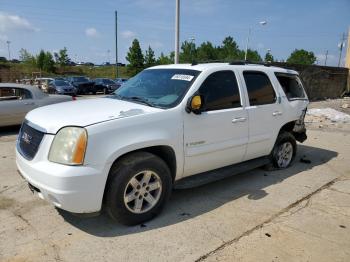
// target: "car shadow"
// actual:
[[9, 130], [189, 203]]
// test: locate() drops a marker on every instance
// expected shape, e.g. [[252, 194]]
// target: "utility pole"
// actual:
[[177, 31], [8, 48], [248, 39], [192, 39], [325, 61], [109, 56], [116, 46], [341, 45], [247, 44]]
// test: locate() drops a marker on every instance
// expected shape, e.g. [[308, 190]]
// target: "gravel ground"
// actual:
[[321, 123], [337, 104]]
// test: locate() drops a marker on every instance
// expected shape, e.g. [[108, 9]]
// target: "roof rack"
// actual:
[[236, 62], [246, 62]]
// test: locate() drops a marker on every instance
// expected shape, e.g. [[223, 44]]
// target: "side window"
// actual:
[[291, 86], [220, 91], [7, 94], [14, 94], [259, 87]]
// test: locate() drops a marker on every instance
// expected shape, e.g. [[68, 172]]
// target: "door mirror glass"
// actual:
[[194, 104]]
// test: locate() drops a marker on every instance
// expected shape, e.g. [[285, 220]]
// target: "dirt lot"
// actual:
[[298, 214]]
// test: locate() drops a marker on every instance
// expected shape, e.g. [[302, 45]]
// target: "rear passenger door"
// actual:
[[218, 136], [264, 111]]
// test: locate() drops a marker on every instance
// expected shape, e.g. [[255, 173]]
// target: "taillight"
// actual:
[[74, 98]]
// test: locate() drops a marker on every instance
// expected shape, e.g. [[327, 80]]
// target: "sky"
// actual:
[[87, 28]]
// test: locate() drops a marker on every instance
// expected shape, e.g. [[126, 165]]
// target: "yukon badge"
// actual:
[[26, 138]]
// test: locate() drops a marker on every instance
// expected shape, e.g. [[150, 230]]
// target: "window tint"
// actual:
[[291, 86], [220, 91], [259, 87]]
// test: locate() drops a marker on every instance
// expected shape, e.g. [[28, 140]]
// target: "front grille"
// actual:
[[29, 141]]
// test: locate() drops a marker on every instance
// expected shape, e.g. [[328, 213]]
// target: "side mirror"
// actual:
[[194, 104]]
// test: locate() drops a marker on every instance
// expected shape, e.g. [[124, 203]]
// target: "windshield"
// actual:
[[158, 87], [80, 79], [61, 83]]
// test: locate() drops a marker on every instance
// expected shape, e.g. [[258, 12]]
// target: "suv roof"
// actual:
[[207, 66]]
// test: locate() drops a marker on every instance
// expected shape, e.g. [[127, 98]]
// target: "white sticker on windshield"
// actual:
[[182, 77]]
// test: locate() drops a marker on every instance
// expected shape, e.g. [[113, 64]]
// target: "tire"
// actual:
[[284, 151], [125, 189]]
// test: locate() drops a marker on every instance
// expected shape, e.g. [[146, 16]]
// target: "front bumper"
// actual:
[[77, 189]]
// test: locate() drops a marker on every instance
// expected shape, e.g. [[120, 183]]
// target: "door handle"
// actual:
[[277, 113], [29, 103], [239, 119]]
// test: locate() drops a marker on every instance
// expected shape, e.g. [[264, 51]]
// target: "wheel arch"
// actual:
[[298, 130], [164, 152]]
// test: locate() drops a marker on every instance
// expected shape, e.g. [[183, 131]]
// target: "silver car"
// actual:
[[16, 100]]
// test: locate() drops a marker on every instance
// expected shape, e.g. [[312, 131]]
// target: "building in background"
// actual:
[[347, 58]]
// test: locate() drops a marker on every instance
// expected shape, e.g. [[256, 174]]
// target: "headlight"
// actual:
[[69, 146]]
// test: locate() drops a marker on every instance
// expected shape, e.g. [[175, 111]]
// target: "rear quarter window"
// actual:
[[291, 85]]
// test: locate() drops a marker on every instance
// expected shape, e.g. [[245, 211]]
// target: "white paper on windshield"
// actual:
[[182, 77]]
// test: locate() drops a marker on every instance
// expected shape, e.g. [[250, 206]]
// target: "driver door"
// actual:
[[218, 136]]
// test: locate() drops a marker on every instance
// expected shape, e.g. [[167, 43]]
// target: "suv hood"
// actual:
[[84, 112]]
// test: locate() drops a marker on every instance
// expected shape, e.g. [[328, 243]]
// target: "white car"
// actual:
[[169, 126], [16, 100]]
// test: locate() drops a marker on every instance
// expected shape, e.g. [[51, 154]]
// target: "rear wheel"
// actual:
[[284, 151], [138, 187]]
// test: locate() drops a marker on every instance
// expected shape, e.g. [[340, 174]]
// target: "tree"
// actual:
[[49, 63], [164, 60], [301, 56], [252, 55], [26, 57], [62, 57], [188, 52], [44, 61], [206, 52], [135, 58], [269, 57], [229, 50], [150, 59], [40, 60]]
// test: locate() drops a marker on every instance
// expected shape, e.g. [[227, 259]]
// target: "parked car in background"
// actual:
[[62, 87], [120, 81], [105, 85], [16, 100], [83, 84], [43, 83], [61, 78]]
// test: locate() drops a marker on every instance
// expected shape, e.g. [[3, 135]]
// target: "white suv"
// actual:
[[169, 126]]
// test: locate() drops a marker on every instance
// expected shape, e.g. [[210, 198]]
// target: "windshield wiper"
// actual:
[[141, 100]]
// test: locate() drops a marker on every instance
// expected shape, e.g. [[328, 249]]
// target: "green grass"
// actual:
[[15, 71]]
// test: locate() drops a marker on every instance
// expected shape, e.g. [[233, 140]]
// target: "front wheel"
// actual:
[[138, 187], [284, 151]]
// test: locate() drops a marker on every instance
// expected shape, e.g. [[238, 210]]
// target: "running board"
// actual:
[[220, 173]]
